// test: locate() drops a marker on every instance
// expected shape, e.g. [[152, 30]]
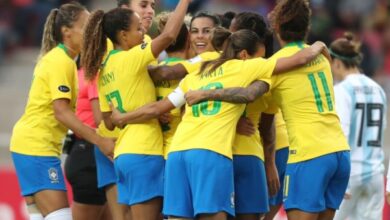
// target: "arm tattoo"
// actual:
[[239, 94], [160, 73]]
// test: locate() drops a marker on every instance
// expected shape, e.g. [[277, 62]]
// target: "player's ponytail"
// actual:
[[101, 26], [236, 42], [94, 45], [48, 39], [347, 49]]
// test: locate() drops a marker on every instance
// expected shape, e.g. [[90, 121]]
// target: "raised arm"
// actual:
[[171, 29], [232, 95], [159, 73], [141, 115], [300, 58]]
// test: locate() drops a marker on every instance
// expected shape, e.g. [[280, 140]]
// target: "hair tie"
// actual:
[[341, 57]]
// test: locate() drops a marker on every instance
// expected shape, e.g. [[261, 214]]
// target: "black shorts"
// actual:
[[80, 170]]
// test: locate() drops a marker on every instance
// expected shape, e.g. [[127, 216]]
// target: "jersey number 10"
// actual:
[[203, 106]]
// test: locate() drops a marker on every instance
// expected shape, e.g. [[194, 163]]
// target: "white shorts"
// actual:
[[366, 200]]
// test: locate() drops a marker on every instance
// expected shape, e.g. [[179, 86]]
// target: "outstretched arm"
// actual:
[[159, 73], [232, 95], [142, 114], [301, 58]]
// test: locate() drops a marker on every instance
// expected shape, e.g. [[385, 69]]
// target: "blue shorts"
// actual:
[[250, 185], [198, 182], [281, 158], [37, 173], [317, 184], [140, 178], [105, 169]]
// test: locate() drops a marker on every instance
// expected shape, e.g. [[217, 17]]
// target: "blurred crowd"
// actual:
[[21, 24]]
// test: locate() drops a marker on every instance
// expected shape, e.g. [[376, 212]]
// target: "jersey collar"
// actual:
[[299, 44], [112, 52]]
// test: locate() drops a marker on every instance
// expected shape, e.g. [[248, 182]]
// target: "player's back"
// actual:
[[305, 96], [364, 123]]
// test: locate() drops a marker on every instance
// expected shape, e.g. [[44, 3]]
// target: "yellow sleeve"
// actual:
[[265, 70], [183, 85], [140, 55], [193, 64], [272, 108], [61, 80], [261, 68]]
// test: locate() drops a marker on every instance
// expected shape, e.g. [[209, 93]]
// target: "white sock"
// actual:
[[33, 212], [60, 214]]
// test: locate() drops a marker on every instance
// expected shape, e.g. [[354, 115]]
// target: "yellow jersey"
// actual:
[[211, 125], [125, 82], [101, 129], [38, 132], [193, 65], [251, 145], [281, 139], [306, 98], [163, 89]]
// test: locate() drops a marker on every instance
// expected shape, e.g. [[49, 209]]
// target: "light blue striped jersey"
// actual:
[[361, 105]]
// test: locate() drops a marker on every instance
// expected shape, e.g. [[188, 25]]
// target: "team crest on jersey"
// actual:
[[63, 88], [144, 45], [232, 203], [53, 175]]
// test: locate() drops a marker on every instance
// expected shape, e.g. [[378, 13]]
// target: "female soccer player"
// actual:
[[361, 105], [105, 167], [37, 136], [123, 79], [242, 39], [318, 189], [177, 53], [255, 22], [319, 161], [318, 165]]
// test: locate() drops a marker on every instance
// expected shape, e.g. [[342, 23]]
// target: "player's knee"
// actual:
[[60, 214]]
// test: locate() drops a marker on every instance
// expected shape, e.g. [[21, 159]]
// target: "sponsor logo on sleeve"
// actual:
[[64, 89]]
